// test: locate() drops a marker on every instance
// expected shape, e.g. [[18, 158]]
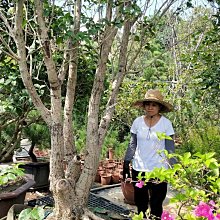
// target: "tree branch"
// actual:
[[71, 85], [5, 20], [19, 40], [45, 43], [10, 52], [110, 107]]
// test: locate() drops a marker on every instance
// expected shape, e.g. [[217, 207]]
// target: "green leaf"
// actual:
[[162, 136], [25, 214], [138, 217], [136, 38], [37, 213], [24, 22], [3, 180], [11, 176], [140, 176]]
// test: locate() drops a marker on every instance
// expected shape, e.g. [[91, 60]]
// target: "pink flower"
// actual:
[[217, 217], [167, 216], [212, 203], [204, 210], [140, 184]]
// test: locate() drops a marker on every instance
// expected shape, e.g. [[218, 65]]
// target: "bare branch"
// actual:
[[90, 215], [92, 139], [2, 126], [19, 40], [10, 52], [166, 9], [71, 85], [166, 3], [5, 20], [65, 64], [45, 42], [109, 10], [118, 80], [52, 15]]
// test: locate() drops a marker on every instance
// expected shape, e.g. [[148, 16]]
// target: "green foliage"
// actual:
[[113, 140], [204, 136], [80, 141], [36, 213], [122, 146], [10, 174], [39, 134]]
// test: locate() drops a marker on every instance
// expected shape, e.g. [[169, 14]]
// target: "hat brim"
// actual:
[[167, 107]]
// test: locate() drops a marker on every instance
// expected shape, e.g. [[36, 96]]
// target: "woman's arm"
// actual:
[[170, 147], [131, 148], [129, 155]]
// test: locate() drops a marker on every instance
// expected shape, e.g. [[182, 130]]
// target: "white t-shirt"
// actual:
[[146, 156]]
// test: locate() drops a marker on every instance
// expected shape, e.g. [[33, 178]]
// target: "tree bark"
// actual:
[[71, 85], [71, 187]]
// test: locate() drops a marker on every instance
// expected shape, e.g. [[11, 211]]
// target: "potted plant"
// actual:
[[24, 212], [13, 187], [38, 167]]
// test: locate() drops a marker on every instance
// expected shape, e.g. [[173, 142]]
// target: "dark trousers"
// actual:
[[151, 195]]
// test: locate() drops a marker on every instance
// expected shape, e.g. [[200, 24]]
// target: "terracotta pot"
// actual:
[[119, 164], [98, 175], [106, 178], [110, 153], [97, 178], [100, 171], [115, 177], [109, 166], [128, 192]]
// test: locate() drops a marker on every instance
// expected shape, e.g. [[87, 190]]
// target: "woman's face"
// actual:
[[152, 108]]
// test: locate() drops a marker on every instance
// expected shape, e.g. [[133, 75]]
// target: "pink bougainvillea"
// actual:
[[206, 210], [140, 184], [217, 217], [167, 216]]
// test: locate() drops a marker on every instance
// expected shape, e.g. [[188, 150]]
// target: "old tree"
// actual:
[[33, 35]]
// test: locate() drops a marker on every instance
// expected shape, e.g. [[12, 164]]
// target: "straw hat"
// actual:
[[154, 96]]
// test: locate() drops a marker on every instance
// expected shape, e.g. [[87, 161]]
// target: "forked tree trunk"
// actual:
[[71, 187]]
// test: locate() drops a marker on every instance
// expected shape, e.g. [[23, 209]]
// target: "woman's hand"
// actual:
[[126, 170]]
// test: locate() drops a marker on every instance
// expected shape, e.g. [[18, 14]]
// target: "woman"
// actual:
[[143, 151]]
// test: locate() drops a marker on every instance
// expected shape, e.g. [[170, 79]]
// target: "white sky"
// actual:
[[154, 5]]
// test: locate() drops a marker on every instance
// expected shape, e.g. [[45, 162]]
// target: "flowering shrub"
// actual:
[[195, 181], [167, 216], [205, 210]]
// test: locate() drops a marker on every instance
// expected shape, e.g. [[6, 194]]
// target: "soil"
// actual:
[[12, 186], [36, 194]]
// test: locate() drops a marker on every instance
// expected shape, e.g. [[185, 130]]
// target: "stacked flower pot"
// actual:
[[109, 172]]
